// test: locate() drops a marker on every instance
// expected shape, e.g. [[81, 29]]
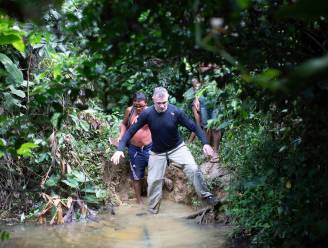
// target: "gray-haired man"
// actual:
[[163, 120]]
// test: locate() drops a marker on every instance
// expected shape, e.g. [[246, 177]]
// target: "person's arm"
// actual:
[[185, 121], [195, 110], [141, 121], [191, 125]]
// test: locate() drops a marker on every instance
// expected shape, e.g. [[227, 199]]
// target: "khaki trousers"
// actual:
[[183, 159]]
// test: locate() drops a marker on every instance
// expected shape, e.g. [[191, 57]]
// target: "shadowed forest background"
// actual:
[[68, 70]]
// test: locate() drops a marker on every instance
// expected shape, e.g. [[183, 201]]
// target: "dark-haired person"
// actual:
[[163, 120], [140, 143]]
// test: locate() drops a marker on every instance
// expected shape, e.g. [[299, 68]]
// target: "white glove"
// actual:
[[116, 157]]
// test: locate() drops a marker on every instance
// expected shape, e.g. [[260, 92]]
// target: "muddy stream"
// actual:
[[124, 229]]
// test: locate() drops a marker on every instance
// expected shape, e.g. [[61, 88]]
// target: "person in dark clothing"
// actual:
[[163, 120]]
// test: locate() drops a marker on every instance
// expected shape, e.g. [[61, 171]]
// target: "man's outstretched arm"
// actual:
[[191, 125], [127, 136]]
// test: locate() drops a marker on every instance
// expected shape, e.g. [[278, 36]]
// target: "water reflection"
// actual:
[[125, 229]]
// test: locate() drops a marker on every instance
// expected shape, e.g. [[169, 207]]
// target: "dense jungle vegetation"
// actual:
[[68, 69]]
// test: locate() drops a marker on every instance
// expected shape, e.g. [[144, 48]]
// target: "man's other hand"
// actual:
[[116, 157]]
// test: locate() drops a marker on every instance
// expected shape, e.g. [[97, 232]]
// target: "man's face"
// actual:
[[160, 103], [139, 106]]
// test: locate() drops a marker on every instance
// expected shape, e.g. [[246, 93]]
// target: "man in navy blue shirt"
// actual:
[[163, 120]]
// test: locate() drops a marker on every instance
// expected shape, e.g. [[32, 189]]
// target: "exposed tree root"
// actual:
[[200, 215]]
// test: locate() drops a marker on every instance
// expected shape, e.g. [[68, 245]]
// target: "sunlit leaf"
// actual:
[[55, 119], [25, 149], [35, 39], [8, 39], [80, 176], [19, 45], [143, 16], [71, 182], [16, 92], [3, 142], [84, 125], [57, 71]]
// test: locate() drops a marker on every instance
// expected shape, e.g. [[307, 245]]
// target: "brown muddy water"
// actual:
[[169, 228]]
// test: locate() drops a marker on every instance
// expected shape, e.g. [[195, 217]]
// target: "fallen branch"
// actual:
[[201, 213]]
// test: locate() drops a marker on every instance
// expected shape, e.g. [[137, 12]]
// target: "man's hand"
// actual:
[[208, 150], [116, 157]]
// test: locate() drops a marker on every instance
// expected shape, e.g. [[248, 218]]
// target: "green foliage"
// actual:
[[83, 143], [14, 76], [11, 36], [25, 149], [4, 235]]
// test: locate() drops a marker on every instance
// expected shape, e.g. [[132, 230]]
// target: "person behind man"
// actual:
[[140, 143], [190, 96], [163, 120], [203, 112]]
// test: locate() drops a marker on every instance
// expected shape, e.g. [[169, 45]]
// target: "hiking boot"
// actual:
[[213, 201], [168, 184]]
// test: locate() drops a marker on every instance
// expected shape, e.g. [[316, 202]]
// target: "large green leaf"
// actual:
[[91, 198], [3, 142], [8, 39], [80, 176], [73, 183], [11, 36], [89, 189], [25, 149], [53, 180], [10, 101], [55, 119], [84, 125], [19, 45], [11, 68], [16, 92]]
